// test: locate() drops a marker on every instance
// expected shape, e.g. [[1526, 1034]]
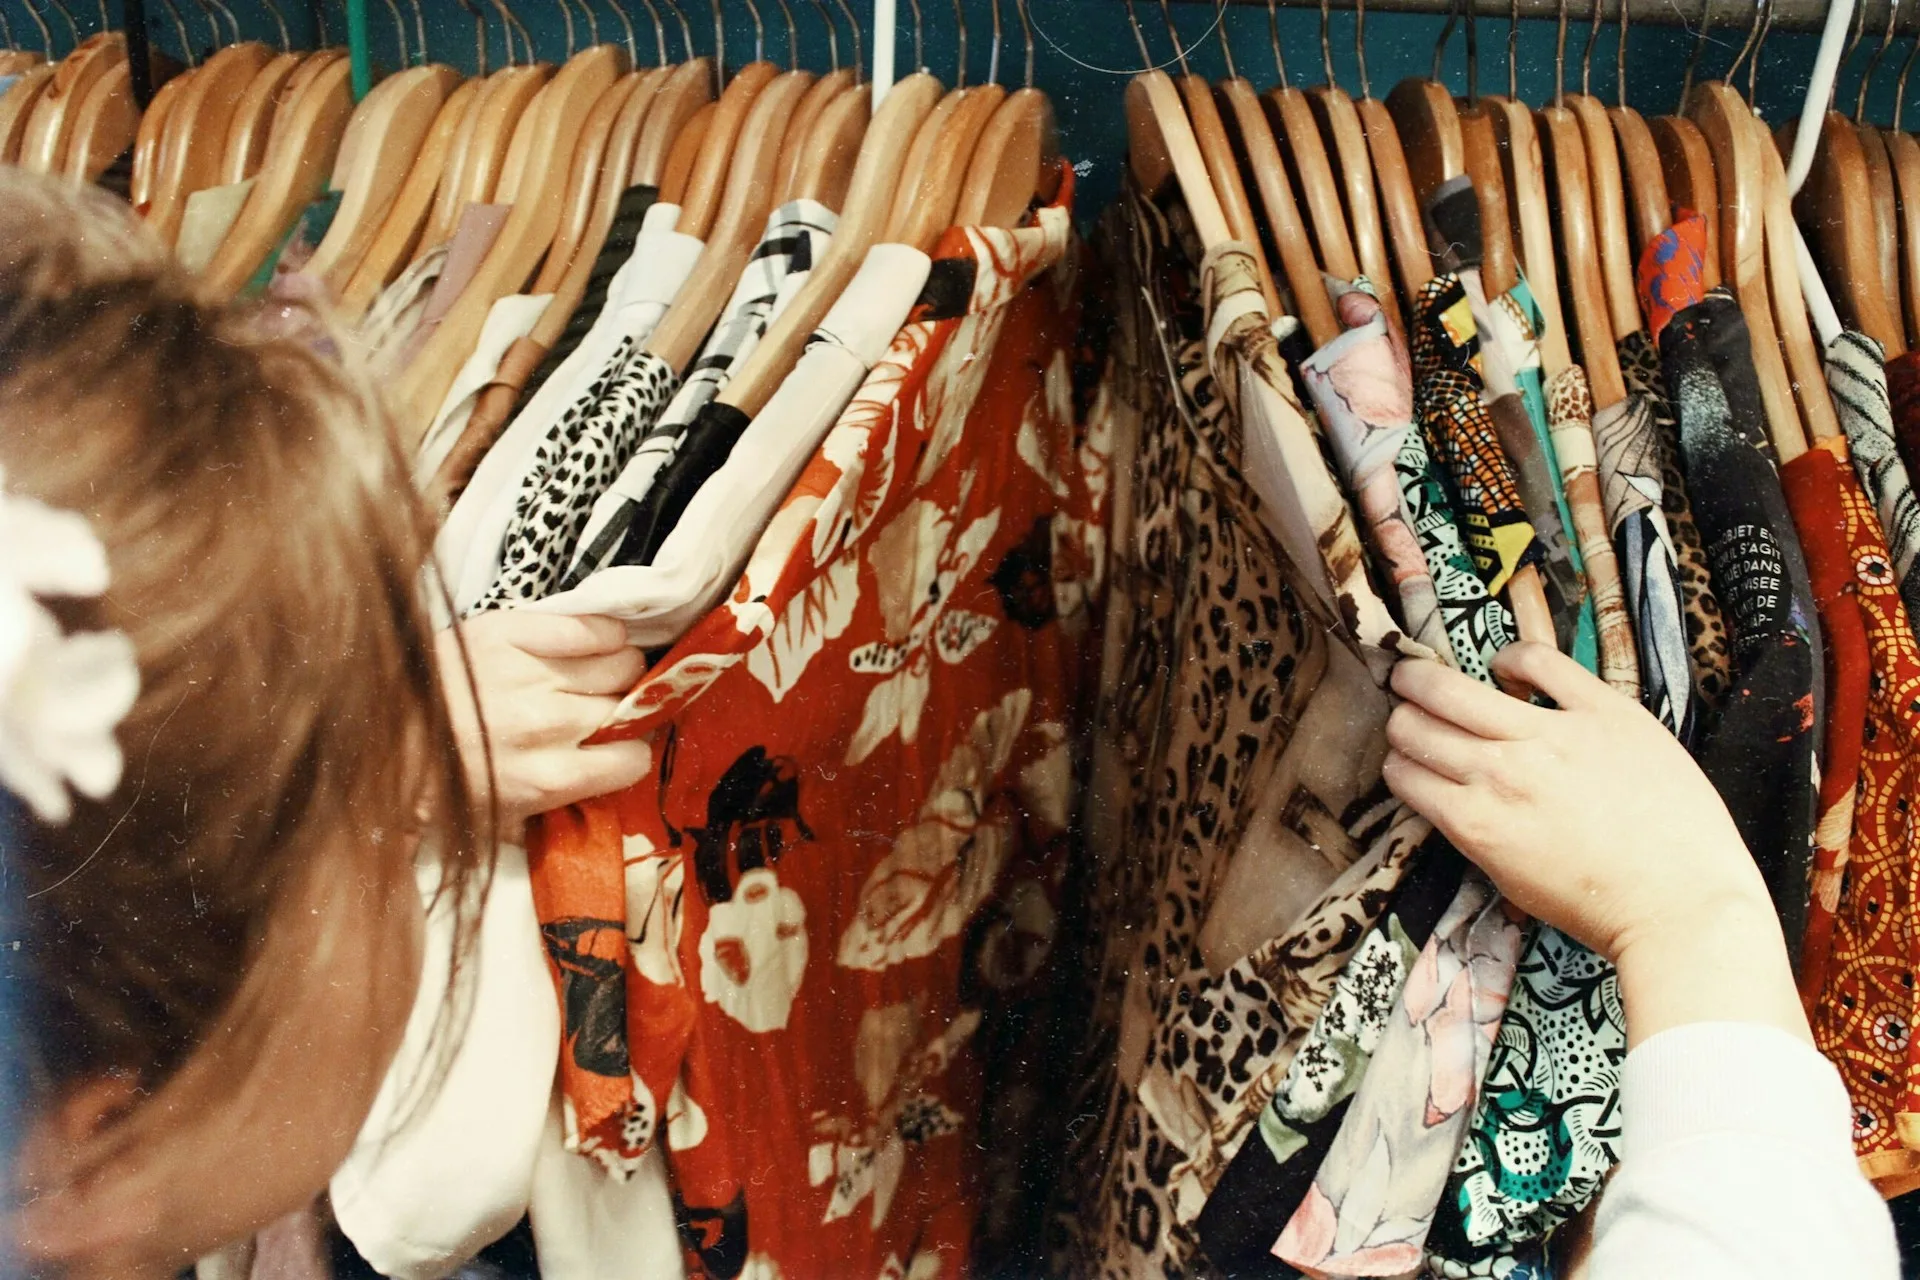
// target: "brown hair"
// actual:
[[265, 551]]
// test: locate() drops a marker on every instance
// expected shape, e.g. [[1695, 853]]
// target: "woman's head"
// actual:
[[215, 960]]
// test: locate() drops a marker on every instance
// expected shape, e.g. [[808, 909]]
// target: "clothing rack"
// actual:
[[1786, 15]]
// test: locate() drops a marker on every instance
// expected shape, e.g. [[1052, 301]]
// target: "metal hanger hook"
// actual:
[[1873, 63], [479, 36], [1473, 51], [1173, 34], [1273, 32], [960, 42], [1326, 44], [1753, 31], [859, 56], [46, 32], [1026, 36], [686, 28], [566, 17], [1226, 45], [399, 30], [833, 33], [919, 37], [1753, 67], [793, 35], [1900, 85], [1693, 59], [1620, 58], [719, 49], [1560, 57], [1586, 51], [1513, 50], [1440, 42], [1360, 47], [993, 60]]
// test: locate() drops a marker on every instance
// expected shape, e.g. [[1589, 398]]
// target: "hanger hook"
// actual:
[[7, 39], [1026, 36], [206, 11], [833, 34], [686, 28], [479, 36], [1226, 46], [1473, 50], [1900, 85], [1693, 59], [659, 32], [759, 31], [593, 23], [1620, 59], [919, 36], [1173, 34], [1753, 67], [1140, 37], [1360, 47], [1560, 57], [46, 32], [993, 60], [1440, 42], [1586, 51], [399, 30], [719, 49], [1326, 44], [1273, 33], [1513, 49], [960, 42], [859, 55], [626, 28], [793, 35], [1746, 47], [1873, 63]]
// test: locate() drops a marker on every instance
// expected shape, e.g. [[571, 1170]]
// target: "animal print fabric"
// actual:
[[1709, 652], [772, 951], [1857, 380], [1570, 410], [577, 463], [1218, 651]]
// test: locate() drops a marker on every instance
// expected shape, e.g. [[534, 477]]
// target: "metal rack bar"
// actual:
[[1788, 15]]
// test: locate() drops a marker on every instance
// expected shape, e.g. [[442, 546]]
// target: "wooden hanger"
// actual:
[[1160, 145], [1904, 151], [14, 61], [43, 149], [1480, 155], [1564, 149], [1216, 151], [1646, 183], [739, 221], [1836, 205], [688, 88], [1687, 167], [104, 126], [1339, 121], [1429, 127], [247, 133], [16, 107], [686, 150], [146, 139], [194, 144], [863, 216], [480, 153], [1608, 201], [1883, 215], [1298, 136], [707, 183], [298, 161], [392, 123], [1311, 300], [1722, 117], [590, 155], [824, 169], [1016, 163], [805, 116], [1401, 207], [1525, 174], [407, 216], [1803, 354], [522, 241], [917, 178]]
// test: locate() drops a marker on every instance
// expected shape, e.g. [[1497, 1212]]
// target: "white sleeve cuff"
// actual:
[[1719, 1077]]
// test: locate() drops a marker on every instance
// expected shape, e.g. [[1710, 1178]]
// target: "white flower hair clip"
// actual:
[[61, 696]]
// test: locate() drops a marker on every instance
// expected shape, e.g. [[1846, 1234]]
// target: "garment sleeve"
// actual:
[[1737, 1163]]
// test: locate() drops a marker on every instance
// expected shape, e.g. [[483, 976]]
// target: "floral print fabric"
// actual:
[[759, 946], [1478, 622], [1671, 274], [1857, 379]]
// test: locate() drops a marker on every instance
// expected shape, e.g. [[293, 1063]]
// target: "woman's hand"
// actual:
[[545, 682], [1593, 818]]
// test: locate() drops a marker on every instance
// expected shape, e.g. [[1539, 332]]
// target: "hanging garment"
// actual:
[[1624, 440], [1362, 385], [1856, 377], [791, 1016], [1187, 1025], [1373, 1198], [384, 332], [797, 234], [1708, 649], [1903, 387], [1863, 1019], [210, 213], [1446, 358], [629, 218], [754, 461], [478, 227], [1760, 753], [472, 542], [1571, 415], [1816, 494], [509, 320]]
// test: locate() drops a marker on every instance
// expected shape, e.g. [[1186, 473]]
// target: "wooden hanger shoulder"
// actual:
[[105, 124], [395, 121], [686, 149], [1722, 117], [1429, 127], [252, 116], [196, 133], [1302, 270], [863, 216], [1609, 212], [805, 116], [14, 61], [1885, 210], [524, 238], [1904, 151], [1686, 163], [146, 139], [497, 118], [1805, 363], [1646, 185], [1525, 171], [823, 170], [1563, 146], [1401, 208], [44, 148], [1837, 205], [298, 162], [707, 183], [16, 107], [1223, 169], [742, 216], [1016, 163], [1340, 125], [590, 153], [688, 88], [917, 178], [1159, 134], [407, 216], [443, 211], [1298, 137], [1480, 153]]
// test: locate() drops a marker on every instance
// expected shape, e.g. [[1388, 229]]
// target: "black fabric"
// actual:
[[1258, 1193], [1453, 224], [709, 440], [1759, 752], [628, 214]]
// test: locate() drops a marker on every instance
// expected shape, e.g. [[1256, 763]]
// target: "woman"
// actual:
[[218, 929]]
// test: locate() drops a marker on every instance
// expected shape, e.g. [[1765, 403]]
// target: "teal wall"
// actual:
[[1084, 51]]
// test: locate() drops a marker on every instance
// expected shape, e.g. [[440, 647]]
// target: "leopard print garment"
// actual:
[[1709, 648], [1215, 655], [577, 462]]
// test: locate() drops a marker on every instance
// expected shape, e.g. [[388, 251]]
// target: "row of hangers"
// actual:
[[1569, 193], [558, 144]]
